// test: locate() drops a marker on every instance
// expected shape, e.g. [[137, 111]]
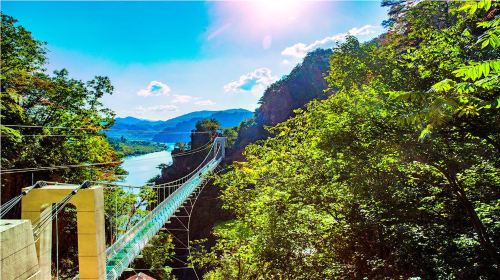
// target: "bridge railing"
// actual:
[[121, 253]]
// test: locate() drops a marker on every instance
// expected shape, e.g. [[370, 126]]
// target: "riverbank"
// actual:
[[136, 147]]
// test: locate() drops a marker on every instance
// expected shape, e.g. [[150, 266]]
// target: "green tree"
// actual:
[[37, 106], [50, 120], [231, 135], [207, 125], [159, 251], [358, 185], [181, 146]]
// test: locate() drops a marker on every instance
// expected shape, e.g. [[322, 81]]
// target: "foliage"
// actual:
[[135, 147], [50, 120], [232, 249], [181, 146], [305, 83], [58, 106], [124, 208], [231, 135], [386, 179], [207, 125], [159, 251]]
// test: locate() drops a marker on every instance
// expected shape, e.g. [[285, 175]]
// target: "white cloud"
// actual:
[[155, 88], [141, 110], [207, 102], [255, 81], [183, 98], [300, 50]]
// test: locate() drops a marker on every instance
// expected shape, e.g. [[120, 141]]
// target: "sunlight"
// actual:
[[273, 15], [277, 9]]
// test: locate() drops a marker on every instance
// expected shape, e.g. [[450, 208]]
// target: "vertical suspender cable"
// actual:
[[116, 216], [57, 245]]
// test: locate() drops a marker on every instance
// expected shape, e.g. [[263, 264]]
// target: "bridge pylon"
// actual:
[[89, 203]]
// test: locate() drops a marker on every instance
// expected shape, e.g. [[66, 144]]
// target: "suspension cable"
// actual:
[[106, 129], [57, 246], [194, 151], [6, 207], [203, 163], [173, 183], [45, 168], [41, 223]]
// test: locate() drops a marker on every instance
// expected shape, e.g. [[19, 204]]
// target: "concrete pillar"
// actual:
[[89, 205], [18, 254], [44, 243], [91, 234]]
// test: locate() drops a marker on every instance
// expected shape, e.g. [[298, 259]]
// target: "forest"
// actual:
[[373, 160], [394, 176], [49, 119], [135, 147]]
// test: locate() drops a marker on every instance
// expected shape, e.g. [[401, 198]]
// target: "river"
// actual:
[[144, 167]]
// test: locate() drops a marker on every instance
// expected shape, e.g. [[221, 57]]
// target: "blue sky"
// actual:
[[170, 58]]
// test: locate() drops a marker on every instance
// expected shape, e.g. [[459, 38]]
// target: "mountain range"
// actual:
[[173, 130]]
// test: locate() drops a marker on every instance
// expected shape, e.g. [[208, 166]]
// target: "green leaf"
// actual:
[[426, 131], [487, 5], [485, 44]]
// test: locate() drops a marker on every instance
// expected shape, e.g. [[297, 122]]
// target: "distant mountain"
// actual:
[[173, 130], [304, 83], [227, 118], [136, 121]]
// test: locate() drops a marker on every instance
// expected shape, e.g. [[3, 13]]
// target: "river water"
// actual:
[[144, 167]]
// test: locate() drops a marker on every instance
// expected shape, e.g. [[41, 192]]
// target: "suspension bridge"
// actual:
[[106, 248]]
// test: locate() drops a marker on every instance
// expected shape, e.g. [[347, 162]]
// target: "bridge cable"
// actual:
[[189, 214], [57, 246], [41, 223], [174, 183], [6, 207], [47, 168], [115, 247], [106, 129]]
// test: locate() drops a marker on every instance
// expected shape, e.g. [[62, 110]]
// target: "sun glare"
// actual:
[[272, 15], [275, 9], [276, 6]]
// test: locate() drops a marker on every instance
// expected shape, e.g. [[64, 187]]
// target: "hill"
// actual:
[[304, 83], [181, 131], [172, 130]]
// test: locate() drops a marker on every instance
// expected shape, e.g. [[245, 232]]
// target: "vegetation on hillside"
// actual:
[[175, 129], [135, 147], [182, 130], [305, 83], [395, 176], [55, 120], [49, 120]]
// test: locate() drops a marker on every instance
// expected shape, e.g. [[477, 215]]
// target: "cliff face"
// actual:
[[305, 83], [184, 164]]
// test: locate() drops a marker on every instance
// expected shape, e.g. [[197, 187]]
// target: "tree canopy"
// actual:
[[49, 120], [395, 176]]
